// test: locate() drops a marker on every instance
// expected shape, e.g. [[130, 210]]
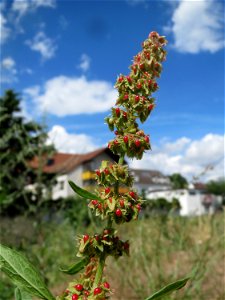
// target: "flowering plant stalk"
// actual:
[[134, 102]]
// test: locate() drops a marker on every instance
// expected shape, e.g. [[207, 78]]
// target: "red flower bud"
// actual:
[[142, 66], [124, 114], [97, 291], [120, 79], [117, 110], [118, 212], [122, 203], [98, 172], [106, 285], [139, 85], [116, 132], [107, 190], [138, 57], [85, 239], [99, 206], [75, 297], [94, 202], [147, 55], [79, 287], [132, 194], [153, 34], [125, 97], [138, 207], [137, 98], [151, 106], [106, 171], [97, 237], [129, 79], [155, 85], [147, 139], [149, 83], [86, 293], [134, 68], [125, 139], [137, 143]]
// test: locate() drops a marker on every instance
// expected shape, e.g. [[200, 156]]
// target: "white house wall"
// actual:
[[76, 177], [191, 204], [60, 189]]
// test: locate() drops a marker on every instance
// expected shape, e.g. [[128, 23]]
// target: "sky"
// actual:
[[63, 58]]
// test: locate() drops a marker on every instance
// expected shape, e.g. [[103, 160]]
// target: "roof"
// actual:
[[149, 177], [65, 162]]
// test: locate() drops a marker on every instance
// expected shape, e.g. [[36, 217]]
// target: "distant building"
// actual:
[[79, 168], [193, 201], [150, 180]]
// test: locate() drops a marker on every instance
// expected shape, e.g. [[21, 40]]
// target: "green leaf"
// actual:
[[169, 288], [83, 193], [21, 295], [23, 273], [77, 267]]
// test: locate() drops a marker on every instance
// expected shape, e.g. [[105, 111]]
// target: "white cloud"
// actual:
[[70, 142], [42, 44], [5, 31], [18, 9], [27, 71], [8, 70], [23, 7], [177, 146], [84, 62], [63, 96], [8, 63], [198, 26], [191, 159], [32, 91]]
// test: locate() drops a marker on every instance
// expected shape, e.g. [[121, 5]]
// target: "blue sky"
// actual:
[[63, 57]]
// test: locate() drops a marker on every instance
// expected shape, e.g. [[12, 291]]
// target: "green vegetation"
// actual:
[[21, 141], [217, 188], [176, 246], [178, 181]]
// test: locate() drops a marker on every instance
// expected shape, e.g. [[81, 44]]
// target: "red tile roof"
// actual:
[[65, 162]]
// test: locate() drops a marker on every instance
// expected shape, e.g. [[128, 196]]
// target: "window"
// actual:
[[61, 185]]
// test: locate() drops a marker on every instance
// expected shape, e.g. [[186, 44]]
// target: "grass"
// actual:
[[163, 249]]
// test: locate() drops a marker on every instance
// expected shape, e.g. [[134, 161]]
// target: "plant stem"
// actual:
[[99, 272], [109, 222], [121, 160]]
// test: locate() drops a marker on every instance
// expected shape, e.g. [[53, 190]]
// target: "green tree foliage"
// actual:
[[178, 181], [217, 188], [20, 141]]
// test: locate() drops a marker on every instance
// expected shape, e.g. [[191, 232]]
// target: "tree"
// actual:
[[217, 188], [178, 181], [20, 141]]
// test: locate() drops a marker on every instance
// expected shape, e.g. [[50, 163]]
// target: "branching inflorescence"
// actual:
[[134, 102]]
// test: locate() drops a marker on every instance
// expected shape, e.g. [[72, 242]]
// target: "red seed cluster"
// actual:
[[134, 104], [106, 242], [135, 99]]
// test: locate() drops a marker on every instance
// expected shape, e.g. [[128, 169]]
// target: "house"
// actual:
[[150, 180], [193, 201], [79, 168]]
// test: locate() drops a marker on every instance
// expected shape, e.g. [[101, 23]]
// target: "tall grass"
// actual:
[[163, 249]]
